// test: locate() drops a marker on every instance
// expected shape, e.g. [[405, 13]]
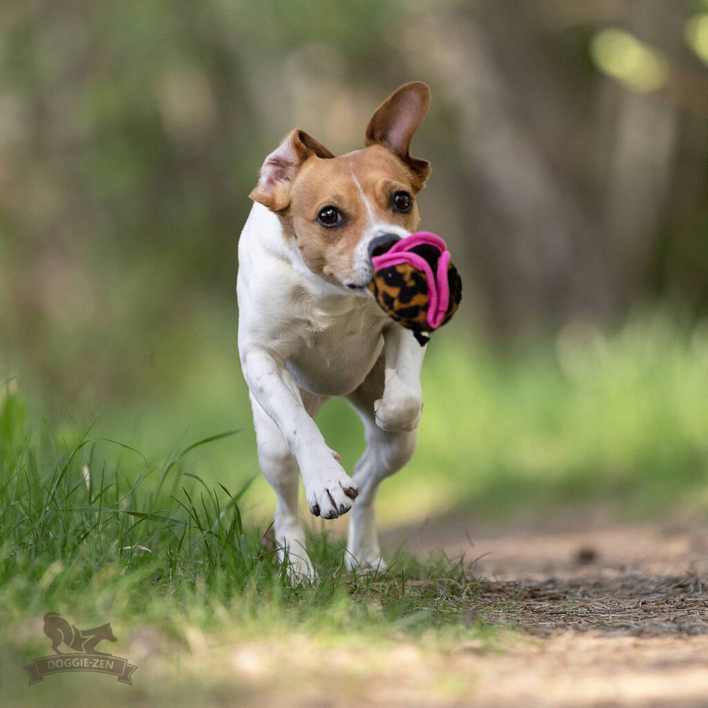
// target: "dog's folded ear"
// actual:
[[395, 121], [281, 166]]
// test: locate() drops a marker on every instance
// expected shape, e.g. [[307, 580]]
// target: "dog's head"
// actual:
[[342, 210], [106, 632]]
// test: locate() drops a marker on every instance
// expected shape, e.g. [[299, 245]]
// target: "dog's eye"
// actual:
[[402, 201], [330, 216]]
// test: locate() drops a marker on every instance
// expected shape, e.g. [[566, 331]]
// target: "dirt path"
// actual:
[[616, 613]]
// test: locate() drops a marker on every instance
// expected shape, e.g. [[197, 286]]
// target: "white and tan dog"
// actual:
[[309, 328]]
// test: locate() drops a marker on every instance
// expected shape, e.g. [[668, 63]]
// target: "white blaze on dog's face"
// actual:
[[336, 206]]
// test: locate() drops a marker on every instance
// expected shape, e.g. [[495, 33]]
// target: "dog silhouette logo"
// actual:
[[84, 657], [81, 640]]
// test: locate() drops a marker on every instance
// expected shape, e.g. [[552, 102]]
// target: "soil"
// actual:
[[615, 612]]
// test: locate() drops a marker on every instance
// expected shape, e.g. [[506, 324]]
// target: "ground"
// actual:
[[601, 612], [581, 609], [616, 613]]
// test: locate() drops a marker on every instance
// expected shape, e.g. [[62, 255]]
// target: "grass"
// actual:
[[611, 416], [88, 533]]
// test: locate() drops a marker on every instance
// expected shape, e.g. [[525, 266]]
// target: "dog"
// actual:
[[310, 329], [80, 640]]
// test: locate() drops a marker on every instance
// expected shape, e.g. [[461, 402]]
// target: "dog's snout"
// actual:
[[381, 244]]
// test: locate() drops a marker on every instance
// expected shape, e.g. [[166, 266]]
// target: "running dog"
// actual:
[[310, 329]]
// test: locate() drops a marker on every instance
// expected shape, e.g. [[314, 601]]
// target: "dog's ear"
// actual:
[[279, 170], [395, 121]]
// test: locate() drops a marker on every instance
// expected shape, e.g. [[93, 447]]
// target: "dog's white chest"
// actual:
[[335, 360]]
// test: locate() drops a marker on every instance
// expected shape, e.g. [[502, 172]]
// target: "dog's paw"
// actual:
[[330, 491], [293, 557], [299, 569], [287, 536], [400, 413], [364, 561]]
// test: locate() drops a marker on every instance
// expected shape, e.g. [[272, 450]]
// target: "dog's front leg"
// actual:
[[390, 405], [329, 490], [401, 405]]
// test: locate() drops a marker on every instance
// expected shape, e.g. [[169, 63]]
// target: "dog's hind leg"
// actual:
[[280, 469], [386, 453], [57, 640]]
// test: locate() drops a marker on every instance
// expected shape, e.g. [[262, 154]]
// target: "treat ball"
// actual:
[[416, 284]]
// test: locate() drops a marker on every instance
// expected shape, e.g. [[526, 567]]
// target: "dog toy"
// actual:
[[415, 283]]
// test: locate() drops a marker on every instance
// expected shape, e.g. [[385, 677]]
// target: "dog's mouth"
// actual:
[[357, 286], [359, 290]]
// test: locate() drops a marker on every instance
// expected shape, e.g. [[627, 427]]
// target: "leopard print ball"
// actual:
[[402, 292]]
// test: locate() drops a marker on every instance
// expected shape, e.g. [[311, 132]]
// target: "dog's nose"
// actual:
[[381, 244]]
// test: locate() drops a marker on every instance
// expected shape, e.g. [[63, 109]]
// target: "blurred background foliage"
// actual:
[[569, 144]]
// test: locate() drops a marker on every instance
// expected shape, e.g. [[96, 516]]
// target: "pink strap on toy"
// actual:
[[438, 286]]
